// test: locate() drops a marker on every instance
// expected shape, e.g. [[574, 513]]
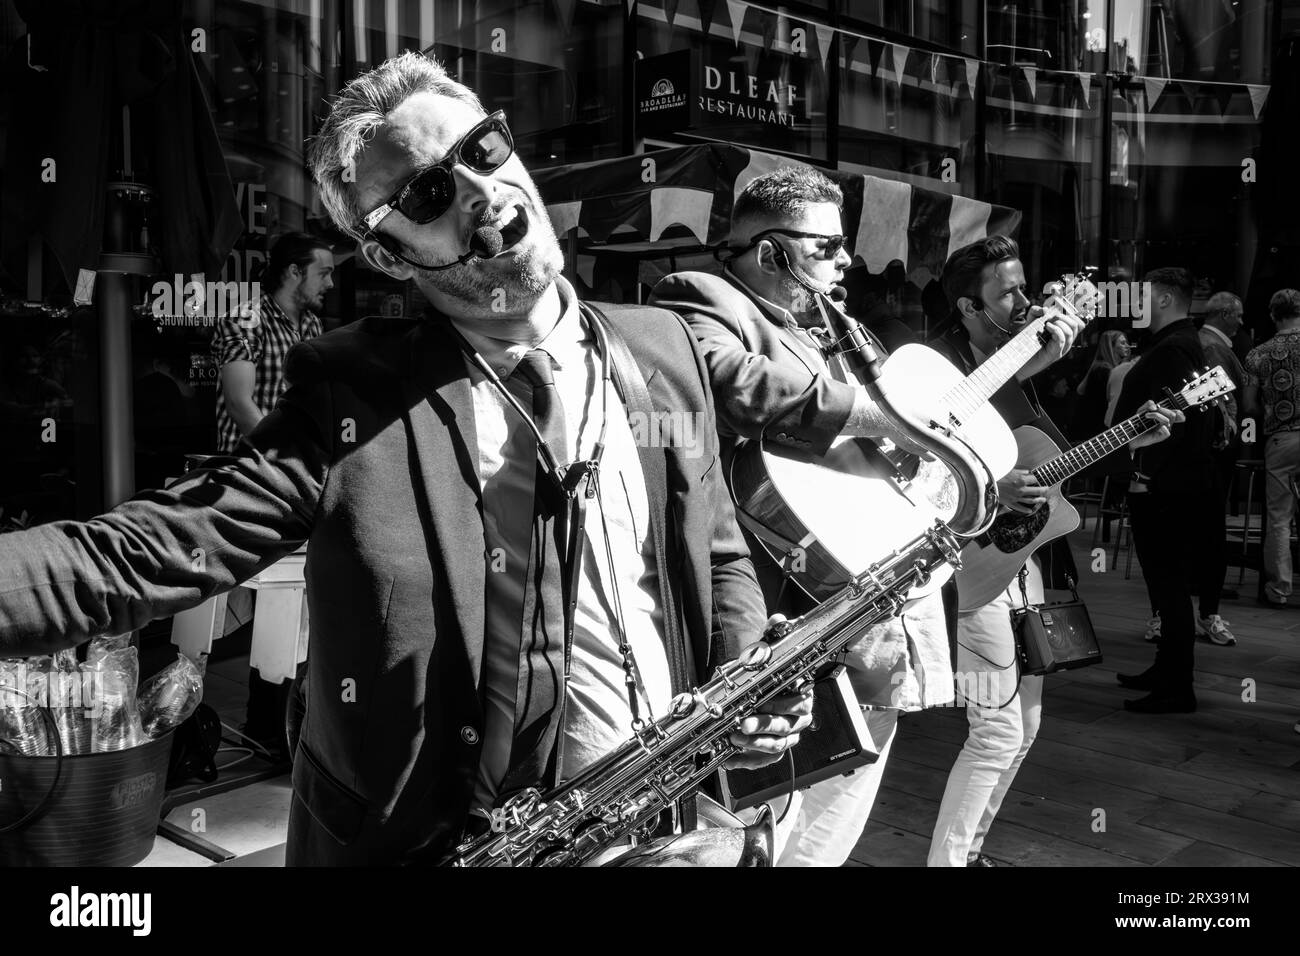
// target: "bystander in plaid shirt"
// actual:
[[264, 338]]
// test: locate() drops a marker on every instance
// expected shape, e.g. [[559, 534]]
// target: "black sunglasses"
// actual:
[[832, 248], [429, 193]]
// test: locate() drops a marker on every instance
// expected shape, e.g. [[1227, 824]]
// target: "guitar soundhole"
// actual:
[[1013, 531]]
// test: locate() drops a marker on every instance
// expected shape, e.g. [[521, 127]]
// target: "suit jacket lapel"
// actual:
[[440, 414]]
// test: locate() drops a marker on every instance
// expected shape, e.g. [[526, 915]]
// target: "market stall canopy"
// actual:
[[679, 200]]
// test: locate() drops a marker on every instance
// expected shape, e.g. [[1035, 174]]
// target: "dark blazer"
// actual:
[[371, 457]]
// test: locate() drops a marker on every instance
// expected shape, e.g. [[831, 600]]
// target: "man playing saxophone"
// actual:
[[482, 649]]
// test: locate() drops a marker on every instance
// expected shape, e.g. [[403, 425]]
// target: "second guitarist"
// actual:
[[985, 284]]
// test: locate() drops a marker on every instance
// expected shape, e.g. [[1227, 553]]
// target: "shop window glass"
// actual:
[[1044, 142], [953, 24], [907, 114], [1070, 35], [1172, 140], [1207, 40], [554, 66]]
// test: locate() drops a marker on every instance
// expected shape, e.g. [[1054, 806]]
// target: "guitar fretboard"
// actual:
[[1079, 457], [966, 397]]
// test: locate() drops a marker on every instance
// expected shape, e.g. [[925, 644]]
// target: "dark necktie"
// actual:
[[541, 648]]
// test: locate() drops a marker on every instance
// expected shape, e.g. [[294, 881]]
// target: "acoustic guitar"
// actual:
[[991, 562], [826, 519]]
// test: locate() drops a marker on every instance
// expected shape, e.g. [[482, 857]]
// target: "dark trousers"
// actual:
[[1215, 565], [1171, 532]]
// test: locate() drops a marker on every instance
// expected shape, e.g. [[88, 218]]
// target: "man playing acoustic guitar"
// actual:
[[985, 284]]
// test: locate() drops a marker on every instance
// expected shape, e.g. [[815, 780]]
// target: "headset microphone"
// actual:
[[486, 243], [833, 292], [990, 320]]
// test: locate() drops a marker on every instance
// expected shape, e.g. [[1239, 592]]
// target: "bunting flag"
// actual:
[[767, 26], [900, 61], [1085, 89], [824, 35], [1224, 94], [707, 10], [1031, 77], [1155, 85], [972, 73], [670, 11], [565, 8], [1192, 90], [1258, 94], [736, 10], [849, 43], [876, 56], [629, 4]]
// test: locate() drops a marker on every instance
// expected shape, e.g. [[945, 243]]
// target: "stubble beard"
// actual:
[[800, 299], [514, 281]]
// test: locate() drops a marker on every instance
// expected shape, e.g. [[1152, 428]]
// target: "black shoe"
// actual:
[[1149, 679], [979, 859], [1163, 702]]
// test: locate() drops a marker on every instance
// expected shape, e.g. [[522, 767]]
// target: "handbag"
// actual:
[[1053, 637]]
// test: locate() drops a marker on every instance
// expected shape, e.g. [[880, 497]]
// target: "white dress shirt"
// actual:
[[597, 711]]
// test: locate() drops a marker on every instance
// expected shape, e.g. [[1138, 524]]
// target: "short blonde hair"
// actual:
[[361, 108]]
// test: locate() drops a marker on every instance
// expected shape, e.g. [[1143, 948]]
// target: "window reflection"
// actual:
[[1205, 39], [1069, 35], [921, 127], [948, 23]]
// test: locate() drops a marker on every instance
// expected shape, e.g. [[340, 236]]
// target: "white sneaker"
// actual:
[[1153, 629], [1216, 629]]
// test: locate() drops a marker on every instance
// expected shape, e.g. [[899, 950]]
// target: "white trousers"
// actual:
[[998, 737], [825, 821]]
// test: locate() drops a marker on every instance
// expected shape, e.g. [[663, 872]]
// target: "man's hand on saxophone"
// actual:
[[765, 735]]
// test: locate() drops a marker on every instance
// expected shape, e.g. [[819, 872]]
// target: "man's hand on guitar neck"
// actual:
[[1062, 329], [1020, 491], [1165, 416]]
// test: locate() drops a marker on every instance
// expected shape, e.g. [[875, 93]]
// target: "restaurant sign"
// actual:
[[683, 92]]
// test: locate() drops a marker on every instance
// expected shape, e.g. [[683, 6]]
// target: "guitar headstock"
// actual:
[[1073, 294], [1211, 384]]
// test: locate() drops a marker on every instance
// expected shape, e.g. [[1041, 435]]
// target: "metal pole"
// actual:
[[116, 386]]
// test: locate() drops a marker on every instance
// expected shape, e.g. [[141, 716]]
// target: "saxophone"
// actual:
[[625, 792]]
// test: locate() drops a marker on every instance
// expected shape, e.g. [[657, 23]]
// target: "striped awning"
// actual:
[[677, 200]]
